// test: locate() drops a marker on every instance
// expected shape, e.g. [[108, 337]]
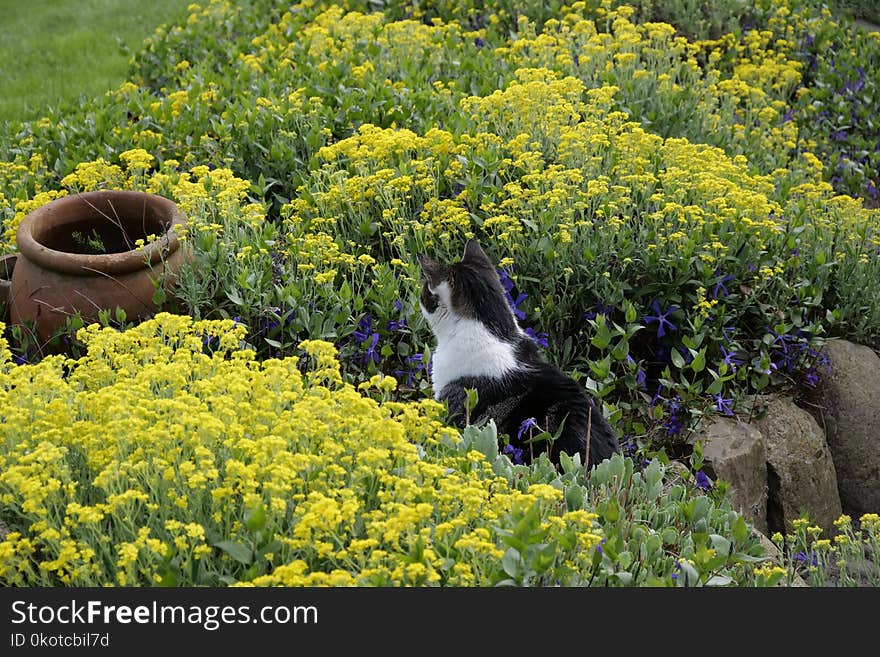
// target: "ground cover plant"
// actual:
[[668, 212]]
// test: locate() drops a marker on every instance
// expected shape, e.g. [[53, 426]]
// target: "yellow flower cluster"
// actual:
[[147, 445]]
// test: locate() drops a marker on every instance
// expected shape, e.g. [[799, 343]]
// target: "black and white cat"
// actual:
[[481, 346]]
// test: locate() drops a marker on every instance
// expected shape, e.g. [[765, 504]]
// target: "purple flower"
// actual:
[[371, 354], [661, 319], [514, 305], [508, 285], [515, 454], [722, 405], [703, 482], [364, 329], [686, 354], [414, 366], [730, 359], [479, 43], [789, 116], [657, 397], [781, 340], [812, 377], [539, 338], [719, 285], [601, 309], [528, 423], [640, 373], [674, 424], [397, 324], [807, 558]]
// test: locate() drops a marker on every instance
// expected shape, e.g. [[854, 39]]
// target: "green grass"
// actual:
[[51, 52], [868, 10]]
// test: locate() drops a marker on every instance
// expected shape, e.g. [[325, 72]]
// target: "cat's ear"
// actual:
[[474, 254], [435, 272]]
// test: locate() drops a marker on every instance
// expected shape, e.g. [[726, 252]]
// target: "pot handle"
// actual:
[[7, 265]]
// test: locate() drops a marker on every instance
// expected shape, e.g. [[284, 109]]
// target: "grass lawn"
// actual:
[[52, 52]]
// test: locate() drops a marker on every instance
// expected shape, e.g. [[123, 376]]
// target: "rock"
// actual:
[[734, 451], [769, 547], [850, 399], [801, 475]]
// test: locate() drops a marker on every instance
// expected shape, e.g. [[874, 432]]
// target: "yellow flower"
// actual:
[[137, 159]]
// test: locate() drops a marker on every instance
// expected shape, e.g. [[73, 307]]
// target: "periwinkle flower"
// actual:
[[661, 318], [703, 482]]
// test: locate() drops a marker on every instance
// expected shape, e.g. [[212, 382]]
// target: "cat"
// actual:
[[481, 346]]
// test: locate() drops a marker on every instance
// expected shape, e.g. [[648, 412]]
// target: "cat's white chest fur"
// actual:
[[465, 348]]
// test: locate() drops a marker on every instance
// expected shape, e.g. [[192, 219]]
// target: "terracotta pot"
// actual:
[[78, 254]]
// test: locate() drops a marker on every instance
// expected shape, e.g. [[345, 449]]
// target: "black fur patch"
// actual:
[[429, 299], [477, 294], [542, 392]]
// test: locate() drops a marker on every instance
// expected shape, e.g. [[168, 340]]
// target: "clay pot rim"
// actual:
[[123, 262]]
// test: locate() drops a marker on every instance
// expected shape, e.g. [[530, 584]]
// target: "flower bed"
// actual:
[[168, 455], [665, 210]]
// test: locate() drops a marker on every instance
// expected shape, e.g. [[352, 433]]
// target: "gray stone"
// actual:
[[800, 470], [850, 399], [735, 452]]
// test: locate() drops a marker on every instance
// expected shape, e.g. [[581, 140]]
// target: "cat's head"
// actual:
[[466, 290]]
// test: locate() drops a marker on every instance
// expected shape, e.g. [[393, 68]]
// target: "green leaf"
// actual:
[[472, 398], [512, 562], [689, 576], [272, 547], [740, 530], [621, 349], [611, 512], [574, 498], [255, 519], [483, 439], [235, 297], [237, 551], [677, 358], [720, 544], [168, 579], [699, 361]]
